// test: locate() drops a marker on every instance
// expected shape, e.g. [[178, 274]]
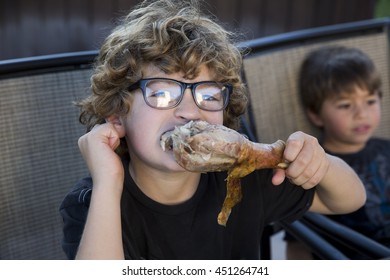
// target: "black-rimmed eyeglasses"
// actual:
[[164, 93]]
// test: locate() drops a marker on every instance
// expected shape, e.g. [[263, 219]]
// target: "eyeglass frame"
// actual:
[[140, 84]]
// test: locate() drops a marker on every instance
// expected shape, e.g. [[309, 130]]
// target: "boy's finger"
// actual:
[[278, 177]]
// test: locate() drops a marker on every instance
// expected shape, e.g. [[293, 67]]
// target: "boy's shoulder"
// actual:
[[80, 194], [379, 143], [376, 148]]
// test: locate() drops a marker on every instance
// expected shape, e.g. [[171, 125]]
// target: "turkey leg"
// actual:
[[203, 147]]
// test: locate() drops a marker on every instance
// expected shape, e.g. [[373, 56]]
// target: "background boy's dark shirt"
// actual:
[[372, 164], [190, 230]]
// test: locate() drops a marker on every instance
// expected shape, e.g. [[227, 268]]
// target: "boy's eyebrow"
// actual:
[[343, 95], [346, 95]]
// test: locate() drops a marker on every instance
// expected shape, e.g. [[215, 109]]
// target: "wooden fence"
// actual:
[[39, 27]]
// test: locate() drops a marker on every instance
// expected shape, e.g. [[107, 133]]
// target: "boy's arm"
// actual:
[[102, 236], [338, 188], [340, 191]]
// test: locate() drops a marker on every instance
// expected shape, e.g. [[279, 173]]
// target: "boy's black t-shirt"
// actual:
[[190, 230], [372, 164]]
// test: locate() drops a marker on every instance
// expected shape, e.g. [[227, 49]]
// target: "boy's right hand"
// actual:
[[98, 150]]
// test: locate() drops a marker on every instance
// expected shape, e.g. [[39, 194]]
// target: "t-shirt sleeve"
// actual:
[[74, 210], [287, 202]]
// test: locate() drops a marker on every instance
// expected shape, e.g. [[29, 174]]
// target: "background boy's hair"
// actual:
[[331, 70]]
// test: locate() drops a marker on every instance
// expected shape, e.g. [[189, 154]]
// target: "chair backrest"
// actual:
[[271, 72], [39, 158]]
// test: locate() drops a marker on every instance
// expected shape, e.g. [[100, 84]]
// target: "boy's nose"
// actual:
[[361, 111], [187, 108]]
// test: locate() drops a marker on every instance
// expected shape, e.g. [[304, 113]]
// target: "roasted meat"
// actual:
[[202, 147]]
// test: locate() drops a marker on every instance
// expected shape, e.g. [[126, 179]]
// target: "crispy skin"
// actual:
[[203, 147]]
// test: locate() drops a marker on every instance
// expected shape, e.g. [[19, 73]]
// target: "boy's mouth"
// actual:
[[362, 129], [166, 142]]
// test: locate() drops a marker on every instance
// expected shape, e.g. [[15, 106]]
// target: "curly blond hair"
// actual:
[[174, 36]]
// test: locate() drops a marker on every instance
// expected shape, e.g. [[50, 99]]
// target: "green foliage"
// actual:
[[382, 8]]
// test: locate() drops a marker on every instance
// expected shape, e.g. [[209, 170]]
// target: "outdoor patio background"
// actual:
[[39, 27]]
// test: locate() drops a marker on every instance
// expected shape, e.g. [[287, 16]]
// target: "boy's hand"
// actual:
[[308, 161], [98, 150]]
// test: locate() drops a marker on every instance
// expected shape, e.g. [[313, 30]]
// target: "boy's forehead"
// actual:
[[152, 70]]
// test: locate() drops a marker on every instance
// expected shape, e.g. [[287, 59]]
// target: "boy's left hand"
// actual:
[[308, 161]]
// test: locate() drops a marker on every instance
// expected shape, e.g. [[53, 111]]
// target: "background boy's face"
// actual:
[[348, 120]]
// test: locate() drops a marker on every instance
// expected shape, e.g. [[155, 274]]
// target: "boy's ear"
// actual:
[[314, 118], [117, 122]]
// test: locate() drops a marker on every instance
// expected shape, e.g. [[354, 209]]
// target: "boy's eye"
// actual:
[[372, 101], [343, 106], [159, 93], [209, 97]]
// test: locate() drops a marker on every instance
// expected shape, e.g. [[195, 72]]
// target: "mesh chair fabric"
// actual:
[[39, 161]]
